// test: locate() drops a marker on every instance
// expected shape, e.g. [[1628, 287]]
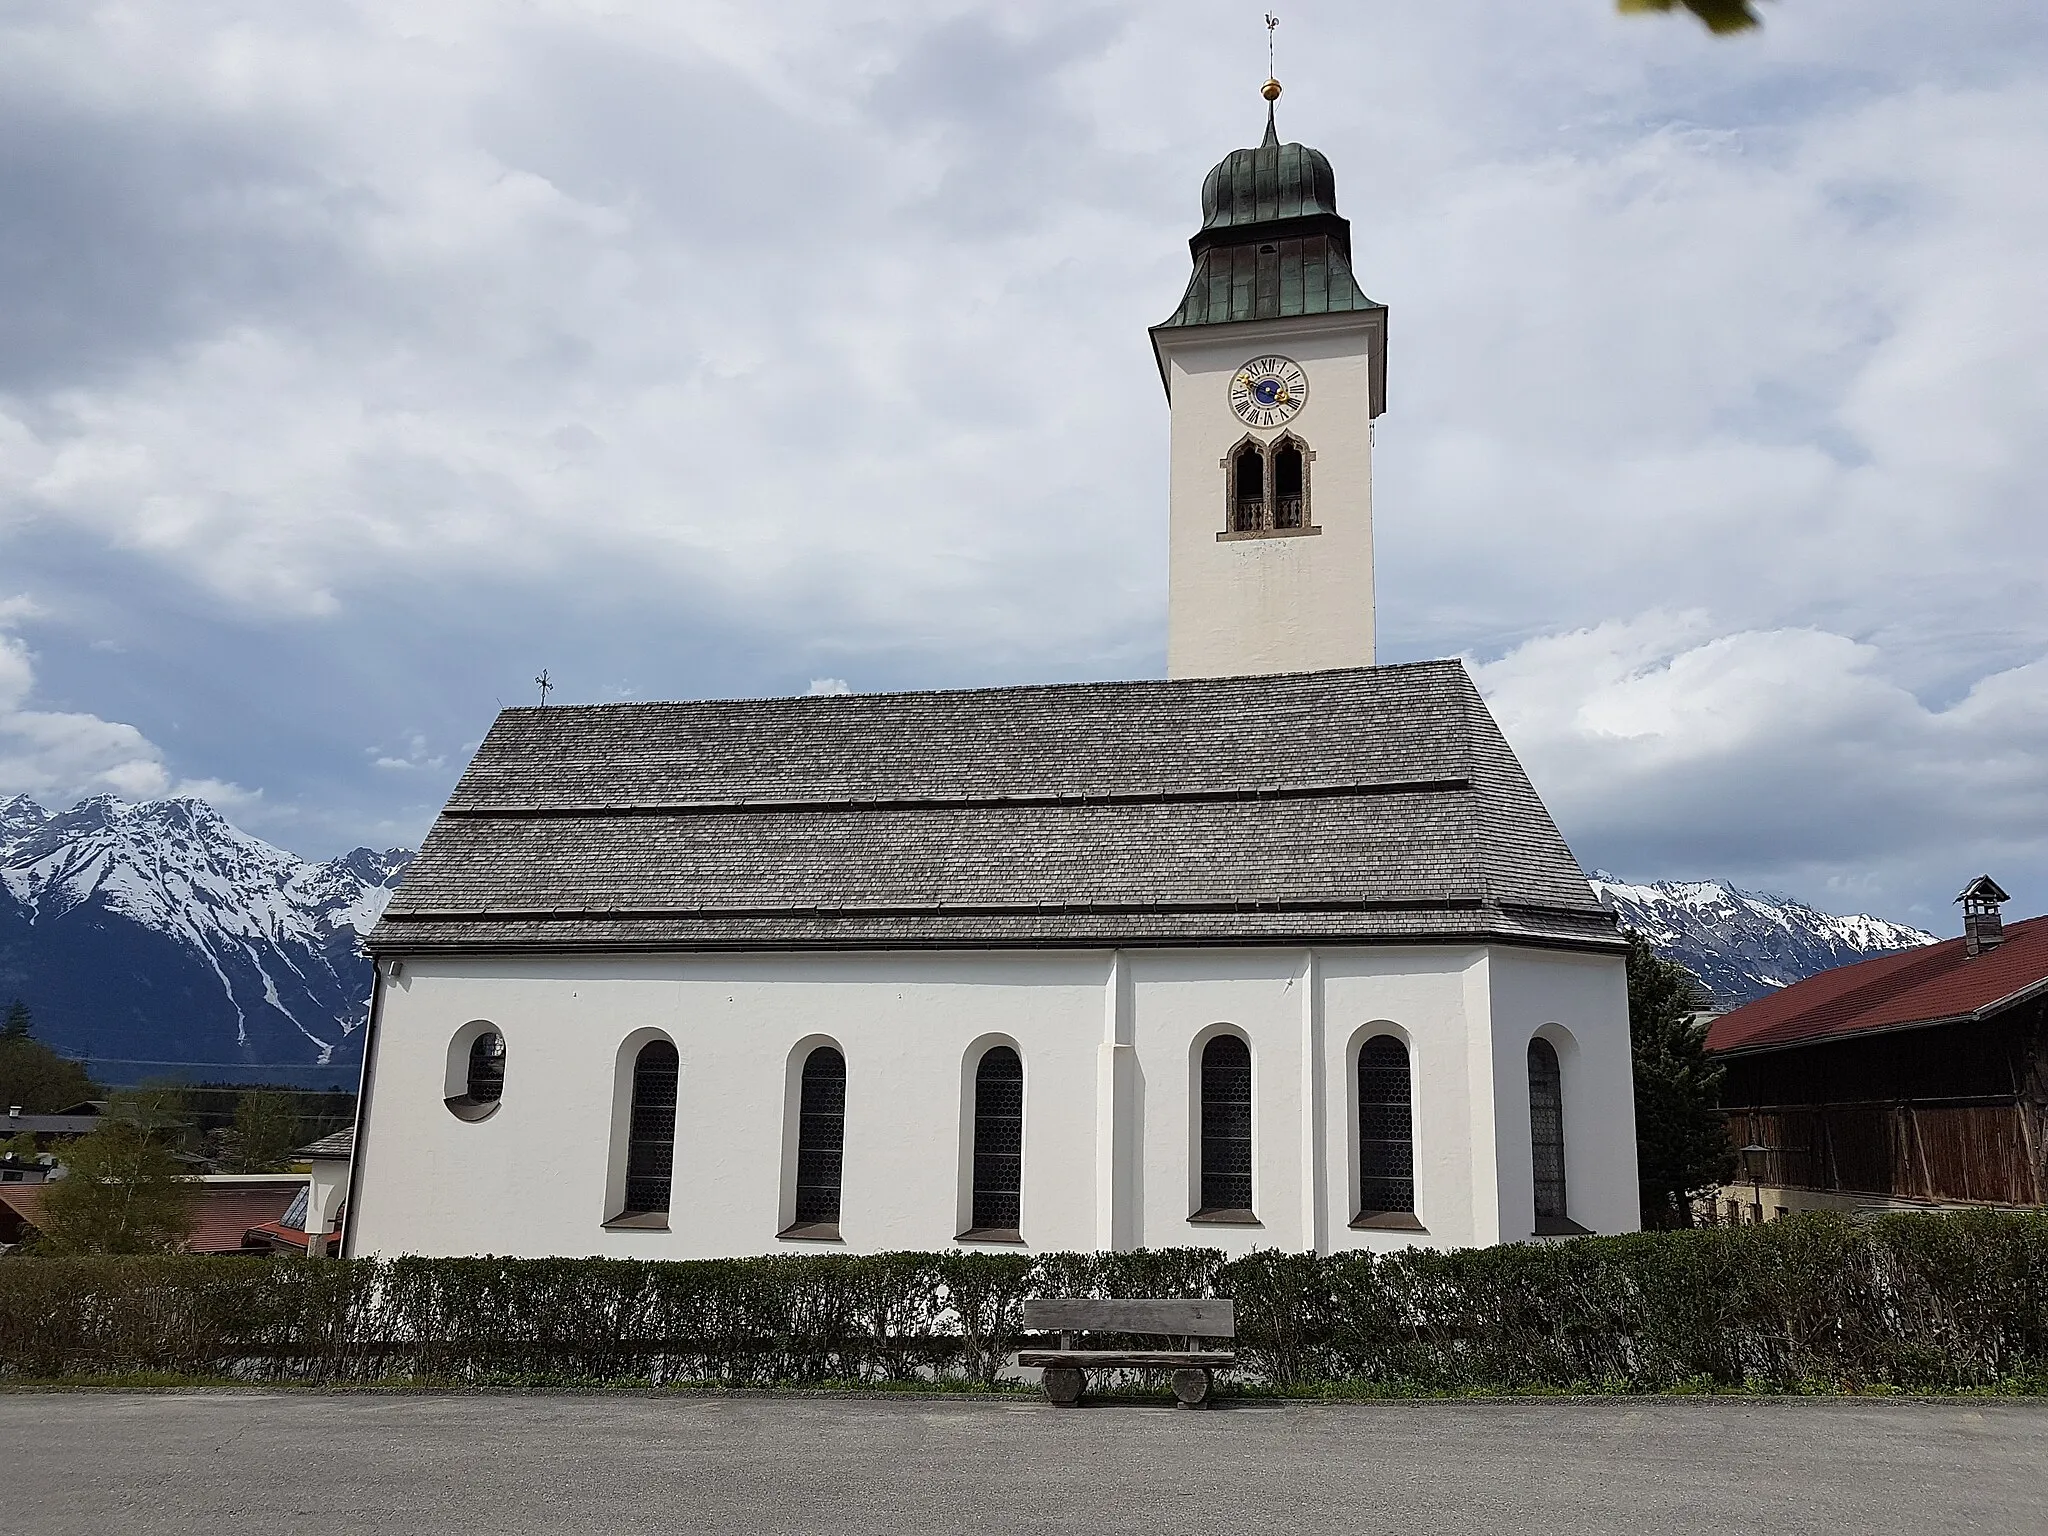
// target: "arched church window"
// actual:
[[1386, 1129], [1248, 488], [820, 1143], [998, 1144], [1546, 1137], [1290, 484], [1226, 1130], [651, 1132], [485, 1080]]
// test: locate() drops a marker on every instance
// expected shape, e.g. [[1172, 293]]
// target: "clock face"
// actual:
[[1268, 391]]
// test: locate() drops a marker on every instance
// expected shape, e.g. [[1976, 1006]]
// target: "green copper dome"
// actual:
[[1274, 181], [1272, 244]]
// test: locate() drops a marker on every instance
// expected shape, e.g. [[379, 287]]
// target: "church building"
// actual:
[[1282, 951]]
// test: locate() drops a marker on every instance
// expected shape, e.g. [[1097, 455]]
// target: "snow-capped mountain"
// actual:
[[1746, 944], [158, 933]]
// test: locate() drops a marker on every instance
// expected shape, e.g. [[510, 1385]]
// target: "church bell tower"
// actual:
[[1275, 366]]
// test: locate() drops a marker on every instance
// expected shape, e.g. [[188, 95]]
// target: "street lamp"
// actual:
[[1753, 1157]]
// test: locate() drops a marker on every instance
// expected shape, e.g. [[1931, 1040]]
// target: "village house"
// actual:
[[1904, 1081], [1280, 951]]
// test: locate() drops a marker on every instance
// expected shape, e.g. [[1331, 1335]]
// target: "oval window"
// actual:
[[476, 1071]]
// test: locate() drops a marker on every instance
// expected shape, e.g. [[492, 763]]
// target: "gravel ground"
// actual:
[[137, 1463]]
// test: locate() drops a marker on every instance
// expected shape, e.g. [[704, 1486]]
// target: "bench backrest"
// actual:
[[1212, 1318]]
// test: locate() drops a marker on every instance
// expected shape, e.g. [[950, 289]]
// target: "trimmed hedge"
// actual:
[[1917, 1302]]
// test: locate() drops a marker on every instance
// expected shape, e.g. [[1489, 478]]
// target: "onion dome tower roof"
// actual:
[[1272, 244], [1275, 181]]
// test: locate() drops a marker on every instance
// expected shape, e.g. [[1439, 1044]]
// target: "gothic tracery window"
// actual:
[[1267, 486], [1248, 489], [1289, 483]]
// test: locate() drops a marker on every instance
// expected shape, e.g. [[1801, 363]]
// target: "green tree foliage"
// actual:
[[31, 1074], [1719, 15], [1682, 1148], [265, 1131], [124, 1190]]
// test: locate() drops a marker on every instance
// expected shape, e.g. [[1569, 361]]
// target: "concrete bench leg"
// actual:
[[1064, 1385], [1192, 1388]]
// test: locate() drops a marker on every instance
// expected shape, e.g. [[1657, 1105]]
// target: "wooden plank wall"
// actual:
[[1977, 1150]]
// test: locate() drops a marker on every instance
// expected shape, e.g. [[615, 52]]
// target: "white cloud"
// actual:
[[825, 330], [1790, 757], [822, 686], [413, 757], [58, 757]]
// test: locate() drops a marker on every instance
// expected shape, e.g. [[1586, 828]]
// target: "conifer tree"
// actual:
[[31, 1074], [1682, 1147]]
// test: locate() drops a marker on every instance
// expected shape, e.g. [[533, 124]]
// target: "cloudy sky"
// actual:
[[359, 360]]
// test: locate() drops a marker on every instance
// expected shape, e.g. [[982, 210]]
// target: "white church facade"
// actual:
[[1280, 951]]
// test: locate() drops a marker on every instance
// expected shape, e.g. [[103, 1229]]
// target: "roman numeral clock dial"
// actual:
[[1268, 391]]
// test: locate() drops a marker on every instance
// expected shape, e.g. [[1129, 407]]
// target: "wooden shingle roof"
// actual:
[[1369, 804]]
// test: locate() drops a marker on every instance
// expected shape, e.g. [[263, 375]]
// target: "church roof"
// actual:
[[1366, 805]]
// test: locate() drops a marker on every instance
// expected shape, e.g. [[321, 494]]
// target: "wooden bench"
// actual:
[[1194, 1370]]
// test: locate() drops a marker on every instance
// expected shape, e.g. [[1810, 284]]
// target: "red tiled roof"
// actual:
[[225, 1211], [1915, 986]]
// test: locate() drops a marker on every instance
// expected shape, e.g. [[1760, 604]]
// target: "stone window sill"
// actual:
[[1560, 1226], [1267, 533], [639, 1221], [1226, 1218], [1386, 1221], [811, 1232], [463, 1107], [991, 1235]]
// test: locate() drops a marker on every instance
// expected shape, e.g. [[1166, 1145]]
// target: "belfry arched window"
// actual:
[[1386, 1133], [1267, 486], [1226, 1146], [1290, 484], [1546, 1138], [820, 1143], [651, 1133], [1248, 488], [997, 1210]]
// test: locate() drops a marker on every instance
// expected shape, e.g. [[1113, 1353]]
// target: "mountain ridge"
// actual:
[[158, 931], [1741, 944]]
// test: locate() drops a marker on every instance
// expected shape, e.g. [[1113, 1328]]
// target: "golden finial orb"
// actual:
[[1270, 90]]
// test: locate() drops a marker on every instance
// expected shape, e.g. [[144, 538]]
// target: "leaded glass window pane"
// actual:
[[821, 1137], [1546, 1129], [1226, 1125], [1386, 1127], [998, 1141], [651, 1136]]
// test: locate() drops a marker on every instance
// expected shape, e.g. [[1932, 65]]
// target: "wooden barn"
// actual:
[[1911, 1079]]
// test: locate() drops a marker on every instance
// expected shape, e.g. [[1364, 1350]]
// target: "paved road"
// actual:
[[821, 1466]]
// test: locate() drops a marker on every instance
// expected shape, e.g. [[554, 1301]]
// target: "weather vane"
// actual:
[[1271, 89], [544, 685]]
